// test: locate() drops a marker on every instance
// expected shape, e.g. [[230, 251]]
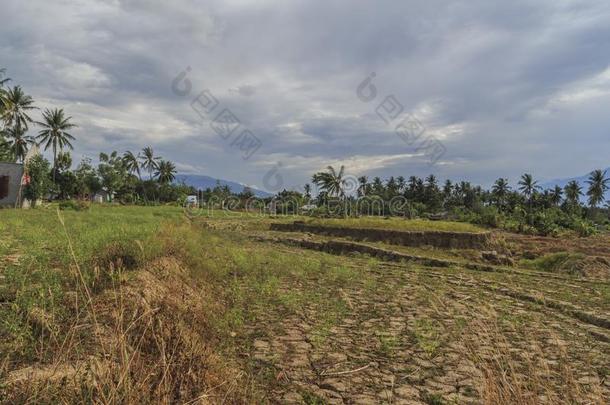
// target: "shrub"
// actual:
[[490, 216], [583, 227], [76, 205]]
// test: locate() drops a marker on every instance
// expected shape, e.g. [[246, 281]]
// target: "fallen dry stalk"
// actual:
[[324, 373]]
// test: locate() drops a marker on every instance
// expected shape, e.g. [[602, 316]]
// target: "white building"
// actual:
[[11, 176]]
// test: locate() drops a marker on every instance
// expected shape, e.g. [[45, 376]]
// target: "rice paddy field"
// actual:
[[118, 304]]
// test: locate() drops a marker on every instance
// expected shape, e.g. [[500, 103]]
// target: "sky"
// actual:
[[268, 92]]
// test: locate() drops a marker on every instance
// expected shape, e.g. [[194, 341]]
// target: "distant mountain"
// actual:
[[582, 180], [203, 182]]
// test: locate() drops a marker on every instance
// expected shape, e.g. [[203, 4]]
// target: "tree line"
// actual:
[[528, 208], [117, 175]]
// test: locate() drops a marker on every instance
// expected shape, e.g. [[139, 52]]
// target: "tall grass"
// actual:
[[143, 337]]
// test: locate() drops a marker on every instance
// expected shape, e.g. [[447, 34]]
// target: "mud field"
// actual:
[[424, 330]]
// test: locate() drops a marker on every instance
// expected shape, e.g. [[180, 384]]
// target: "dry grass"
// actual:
[[523, 377], [146, 338]]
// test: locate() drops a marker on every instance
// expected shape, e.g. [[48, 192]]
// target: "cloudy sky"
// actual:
[[505, 87]]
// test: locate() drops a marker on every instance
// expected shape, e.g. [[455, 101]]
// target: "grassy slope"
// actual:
[[398, 224], [245, 282], [38, 276], [38, 265]]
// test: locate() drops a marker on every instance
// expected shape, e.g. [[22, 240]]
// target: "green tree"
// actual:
[[87, 181], [598, 185], [39, 185], [112, 172], [16, 105], [54, 134], [556, 195], [499, 192], [5, 147], [330, 181], [131, 163], [573, 192], [18, 142], [150, 163], [363, 186], [528, 187], [166, 172], [307, 189]]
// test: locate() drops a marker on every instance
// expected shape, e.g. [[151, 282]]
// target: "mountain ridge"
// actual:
[[202, 182], [582, 180]]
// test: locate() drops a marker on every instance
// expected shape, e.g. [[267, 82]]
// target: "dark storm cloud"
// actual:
[[506, 86]]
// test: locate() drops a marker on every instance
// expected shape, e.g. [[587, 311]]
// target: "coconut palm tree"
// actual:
[[330, 181], [131, 163], [3, 79], [363, 186], [18, 142], [307, 190], [528, 187], [555, 196], [573, 192], [149, 162], [166, 172], [500, 190], [54, 134], [16, 105], [401, 182], [598, 185]]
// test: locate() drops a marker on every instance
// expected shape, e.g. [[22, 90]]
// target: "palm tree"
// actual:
[[54, 133], [555, 196], [330, 181], [573, 192], [529, 187], [307, 190], [598, 185], [500, 190], [149, 162], [19, 142], [131, 163], [166, 172], [363, 186], [16, 104], [3, 80]]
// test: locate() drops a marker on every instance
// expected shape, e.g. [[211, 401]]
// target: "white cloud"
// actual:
[[505, 86]]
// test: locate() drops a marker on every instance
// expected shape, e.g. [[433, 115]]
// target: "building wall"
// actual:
[[14, 172]]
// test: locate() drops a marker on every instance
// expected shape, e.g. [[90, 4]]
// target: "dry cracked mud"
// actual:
[[408, 334]]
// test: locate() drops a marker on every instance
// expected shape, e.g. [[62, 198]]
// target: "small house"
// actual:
[[102, 196], [11, 179], [191, 201]]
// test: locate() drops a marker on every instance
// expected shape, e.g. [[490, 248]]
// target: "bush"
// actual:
[[583, 227], [490, 216], [76, 205]]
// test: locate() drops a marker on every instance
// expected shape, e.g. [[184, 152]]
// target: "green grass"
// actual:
[[39, 234], [397, 224], [564, 262], [259, 221], [246, 279], [43, 270]]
